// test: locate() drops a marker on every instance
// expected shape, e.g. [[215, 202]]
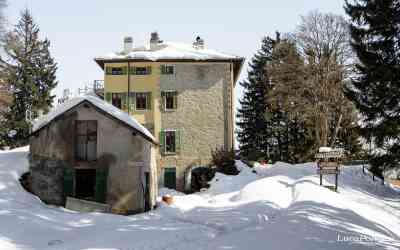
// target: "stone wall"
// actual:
[[47, 179], [204, 116], [126, 154]]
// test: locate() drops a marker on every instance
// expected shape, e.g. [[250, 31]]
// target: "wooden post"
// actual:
[[320, 179], [336, 179]]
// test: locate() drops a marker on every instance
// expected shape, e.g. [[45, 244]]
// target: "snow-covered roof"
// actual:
[[170, 51], [99, 103]]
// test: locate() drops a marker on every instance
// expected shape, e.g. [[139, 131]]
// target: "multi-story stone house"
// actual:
[[182, 93]]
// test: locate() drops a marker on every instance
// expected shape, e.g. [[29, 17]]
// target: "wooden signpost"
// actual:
[[328, 161]]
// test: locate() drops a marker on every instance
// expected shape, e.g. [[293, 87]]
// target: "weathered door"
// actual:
[[170, 178]]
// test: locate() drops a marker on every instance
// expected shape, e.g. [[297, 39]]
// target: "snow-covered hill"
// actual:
[[280, 207]]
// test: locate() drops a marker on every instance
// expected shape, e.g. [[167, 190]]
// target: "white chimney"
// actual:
[[154, 41], [128, 44], [198, 43]]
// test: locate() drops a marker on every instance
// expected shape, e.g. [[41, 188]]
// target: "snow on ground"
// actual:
[[281, 206]]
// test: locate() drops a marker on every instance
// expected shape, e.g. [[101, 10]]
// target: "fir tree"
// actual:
[[375, 90], [285, 109], [29, 70], [254, 131]]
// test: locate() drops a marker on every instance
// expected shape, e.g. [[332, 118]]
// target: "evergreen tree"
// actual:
[[375, 90], [254, 132], [285, 109], [29, 70]]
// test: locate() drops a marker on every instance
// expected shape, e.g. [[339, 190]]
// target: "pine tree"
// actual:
[[254, 132], [285, 109], [375, 90], [29, 70]]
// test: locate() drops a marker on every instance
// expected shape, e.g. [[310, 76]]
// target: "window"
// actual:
[[170, 99], [86, 140], [170, 144], [143, 101], [167, 69], [170, 141], [116, 70], [141, 70], [117, 100]]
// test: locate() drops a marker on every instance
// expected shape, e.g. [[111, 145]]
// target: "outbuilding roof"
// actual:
[[102, 105]]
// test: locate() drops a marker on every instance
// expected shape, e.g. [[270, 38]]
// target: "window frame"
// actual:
[[165, 100], [115, 70], [147, 95], [148, 69], [165, 72], [165, 141], [86, 135]]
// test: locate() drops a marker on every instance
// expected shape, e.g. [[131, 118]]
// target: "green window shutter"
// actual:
[[177, 141], [101, 184], [148, 70], [108, 97], [68, 185], [132, 101], [162, 142], [175, 100], [170, 178], [163, 100], [124, 101], [124, 70], [148, 99], [108, 70], [133, 70], [162, 69]]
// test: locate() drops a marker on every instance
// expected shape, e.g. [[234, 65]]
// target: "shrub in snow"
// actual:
[[200, 178], [224, 160]]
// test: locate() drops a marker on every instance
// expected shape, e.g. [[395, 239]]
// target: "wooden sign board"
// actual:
[[324, 171], [328, 164]]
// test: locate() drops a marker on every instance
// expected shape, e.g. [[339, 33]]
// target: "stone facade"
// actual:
[[126, 155], [47, 179], [204, 114]]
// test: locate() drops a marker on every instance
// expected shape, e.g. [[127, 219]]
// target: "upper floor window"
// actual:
[[167, 69], [170, 100], [170, 141], [141, 70], [143, 101], [86, 140], [116, 70]]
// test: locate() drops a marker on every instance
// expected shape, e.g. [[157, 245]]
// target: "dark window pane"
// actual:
[[117, 100], [170, 100], [170, 146], [117, 71], [141, 71], [141, 101], [81, 127], [167, 69]]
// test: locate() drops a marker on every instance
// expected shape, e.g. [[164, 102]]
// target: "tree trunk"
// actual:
[[336, 130]]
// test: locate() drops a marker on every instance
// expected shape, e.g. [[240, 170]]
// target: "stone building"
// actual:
[[183, 93], [92, 155]]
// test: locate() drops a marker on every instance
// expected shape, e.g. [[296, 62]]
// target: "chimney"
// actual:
[[128, 44], [154, 41], [198, 43]]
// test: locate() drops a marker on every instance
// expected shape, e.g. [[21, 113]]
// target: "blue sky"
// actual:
[[81, 30]]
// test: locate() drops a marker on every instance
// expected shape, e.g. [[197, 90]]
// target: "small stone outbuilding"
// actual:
[[90, 151]]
